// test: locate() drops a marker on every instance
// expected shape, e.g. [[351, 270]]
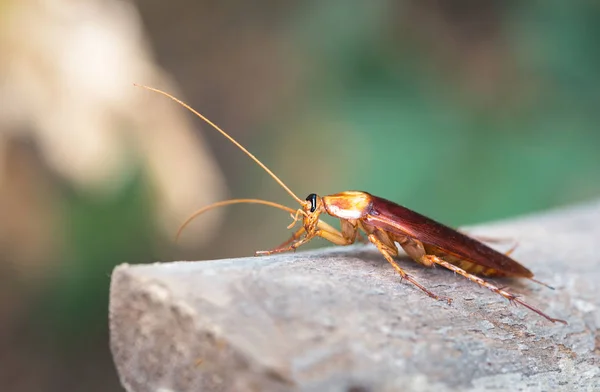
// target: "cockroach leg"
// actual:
[[387, 253], [336, 237], [327, 227], [511, 297], [285, 246], [511, 250], [295, 218], [323, 230]]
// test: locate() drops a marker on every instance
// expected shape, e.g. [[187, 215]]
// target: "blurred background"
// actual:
[[466, 111]]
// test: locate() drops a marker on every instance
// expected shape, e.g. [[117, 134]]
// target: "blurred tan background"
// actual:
[[466, 111]]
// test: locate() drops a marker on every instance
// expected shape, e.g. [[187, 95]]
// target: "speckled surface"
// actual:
[[340, 319]]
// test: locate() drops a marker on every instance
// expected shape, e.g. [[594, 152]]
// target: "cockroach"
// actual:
[[385, 224]]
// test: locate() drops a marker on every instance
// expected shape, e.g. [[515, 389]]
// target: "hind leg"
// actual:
[[416, 251], [511, 297]]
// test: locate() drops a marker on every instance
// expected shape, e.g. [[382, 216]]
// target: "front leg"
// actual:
[[285, 246], [346, 237]]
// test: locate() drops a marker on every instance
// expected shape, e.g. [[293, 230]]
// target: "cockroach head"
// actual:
[[313, 205], [312, 202]]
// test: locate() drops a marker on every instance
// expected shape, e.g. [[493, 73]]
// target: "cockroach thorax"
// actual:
[[348, 205]]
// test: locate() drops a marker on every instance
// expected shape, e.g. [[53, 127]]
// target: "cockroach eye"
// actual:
[[312, 198]]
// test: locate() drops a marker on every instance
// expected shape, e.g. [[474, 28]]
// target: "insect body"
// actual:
[[386, 223]]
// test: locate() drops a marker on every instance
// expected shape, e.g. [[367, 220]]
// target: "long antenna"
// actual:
[[226, 203], [188, 107]]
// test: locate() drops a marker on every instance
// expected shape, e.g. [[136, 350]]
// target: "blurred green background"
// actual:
[[466, 111]]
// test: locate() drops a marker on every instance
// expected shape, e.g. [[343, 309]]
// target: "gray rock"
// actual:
[[340, 319]]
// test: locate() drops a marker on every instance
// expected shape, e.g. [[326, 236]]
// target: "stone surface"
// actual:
[[340, 319]]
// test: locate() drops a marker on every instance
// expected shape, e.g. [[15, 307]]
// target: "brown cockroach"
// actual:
[[385, 223]]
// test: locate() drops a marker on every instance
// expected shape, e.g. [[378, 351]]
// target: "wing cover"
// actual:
[[394, 218]]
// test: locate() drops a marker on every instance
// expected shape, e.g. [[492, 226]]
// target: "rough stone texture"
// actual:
[[339, 319]]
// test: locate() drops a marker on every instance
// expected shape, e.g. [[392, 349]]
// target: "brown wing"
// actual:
[[394, 218]]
